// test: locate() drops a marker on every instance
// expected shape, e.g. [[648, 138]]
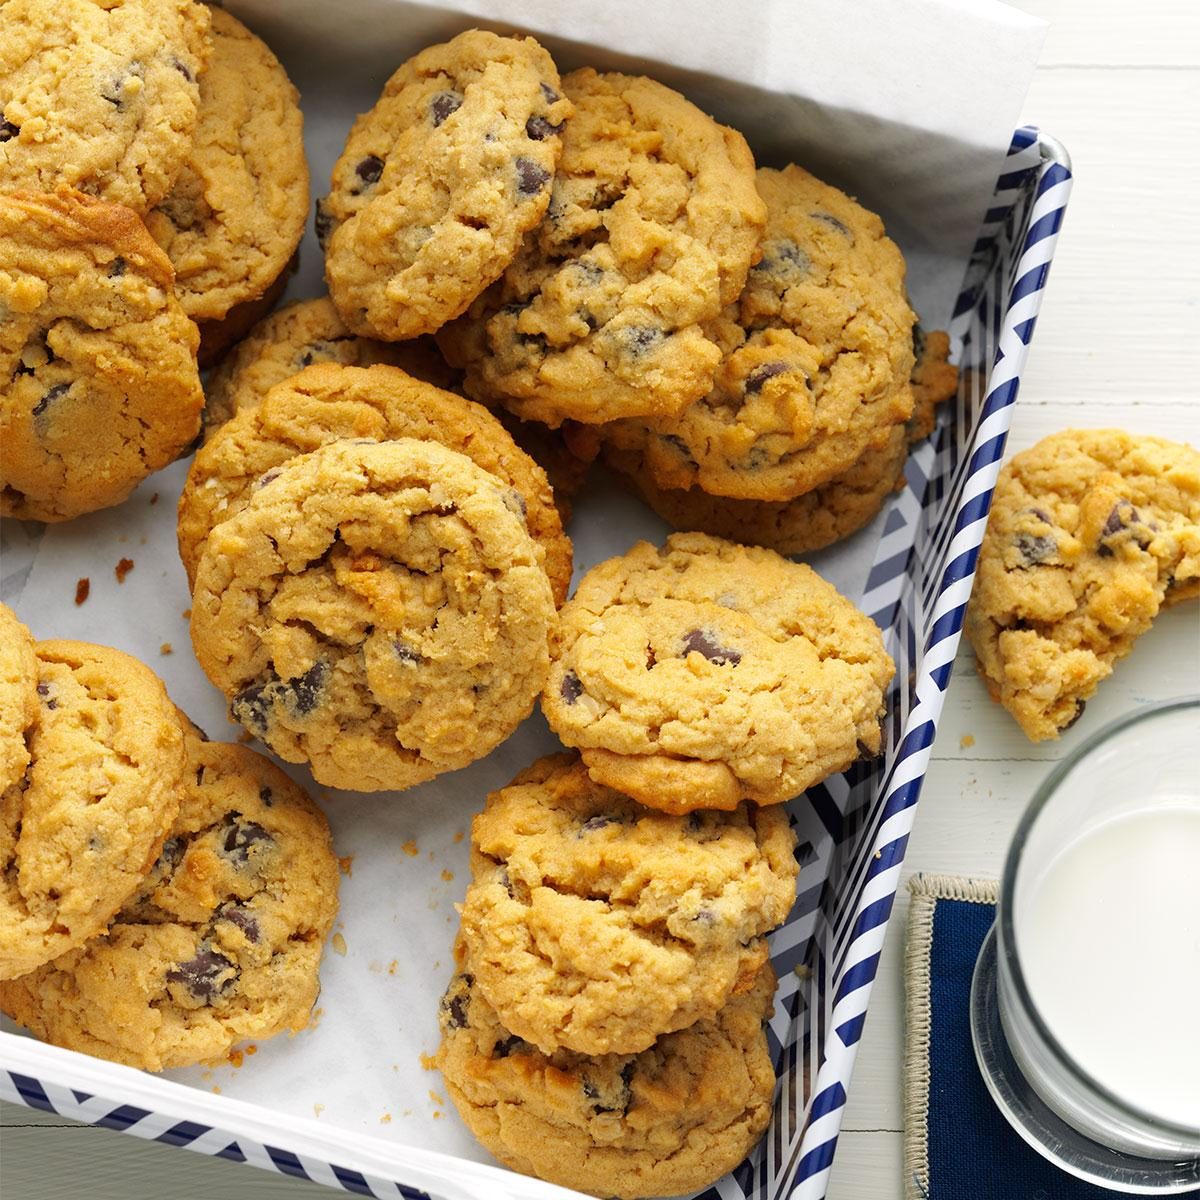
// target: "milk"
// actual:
[[1109, 942]]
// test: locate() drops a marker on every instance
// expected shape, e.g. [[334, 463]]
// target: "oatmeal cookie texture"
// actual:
[[1091, 532], [103, 97], [83, 826], [440, 181], [18, 696], [237, 211], [705, 673], [327, 402], [667, 1121], [221, 942], [816, 355], [595, 924], [98, 380], [378, 610], [300, 335], [653, 225]]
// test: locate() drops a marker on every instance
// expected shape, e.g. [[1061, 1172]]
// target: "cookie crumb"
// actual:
[[346, 864], [318, 1109], [459, 834], [82, 589], [186, 614], [386, 1119], [966, 741], [154, 498], [339, 943], [447, 875], [251, 1049], [123, 567], [410, 848], [393, 965], [166, 648], [236, 1058], [428, 1063], [436, 1098]]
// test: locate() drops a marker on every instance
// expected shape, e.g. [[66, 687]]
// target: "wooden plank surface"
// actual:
[[1117, 344]]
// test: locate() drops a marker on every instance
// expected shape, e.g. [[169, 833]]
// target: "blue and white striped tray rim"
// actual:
[[853, 829]]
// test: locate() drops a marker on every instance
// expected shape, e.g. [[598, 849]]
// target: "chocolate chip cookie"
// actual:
[[18, 696], [327, 402], [440, 181], [237, 210], [704, 673], [103, 97], [816, 355], [221, 942], [670, 1120], [653, 225], [83, 826], [98, 380], [810, 522], [298, 336], [1091, 531], [378, 610], [596, 925]]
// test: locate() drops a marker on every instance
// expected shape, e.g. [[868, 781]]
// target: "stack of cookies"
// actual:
[[606, 1028], [164, 897], [167, 192]]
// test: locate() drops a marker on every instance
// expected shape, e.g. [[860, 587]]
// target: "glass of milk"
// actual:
[[1086, 999]]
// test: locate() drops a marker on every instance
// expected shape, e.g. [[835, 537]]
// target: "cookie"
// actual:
[[18, 696], [221, 942], [85, 823], [653, 225], [377, 610], [1091, 531], [934, 380], [440, 181], [98, 380], [810, 522], [705, 673], [297, 336], [327, 402], [103, 97], [596, 925], [565, 470], [816, 355], [237, 211], [668, 1121]]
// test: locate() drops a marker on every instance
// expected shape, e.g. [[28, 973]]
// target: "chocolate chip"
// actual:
[[599, 822], [116, 268], [251, 706], [1035, 549], [1122, 517], [1080, 705], [323, 220], [266, 477], [442, 105], [306, 689], [59, 389], [706, 916], [515, 503], [617, 1100], [206, 976], [591, 273], [760, 375], [832, 221], [784, 258], [1041, 514], [549, 93], [506, 1047], [182, 68], [171, 854], [240, 916], [8, 131], [241, 836], [679, 446], [539, 129], [264, 794], [457, 1000], [531, 177], [703, 643], [641, 339], [405, 653], [571, 688], [370, 169], [43, 690]]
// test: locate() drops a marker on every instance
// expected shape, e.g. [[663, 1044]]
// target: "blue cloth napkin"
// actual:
[[972, 1152]]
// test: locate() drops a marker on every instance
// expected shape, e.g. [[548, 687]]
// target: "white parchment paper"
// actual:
[[910, 106]]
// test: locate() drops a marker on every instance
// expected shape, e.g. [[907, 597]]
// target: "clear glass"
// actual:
[[1146, 761]]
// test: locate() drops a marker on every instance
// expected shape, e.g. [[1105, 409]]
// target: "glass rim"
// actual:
[[1007, 942]]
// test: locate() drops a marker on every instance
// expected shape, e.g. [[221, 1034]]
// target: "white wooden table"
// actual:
[[1118, 344]]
